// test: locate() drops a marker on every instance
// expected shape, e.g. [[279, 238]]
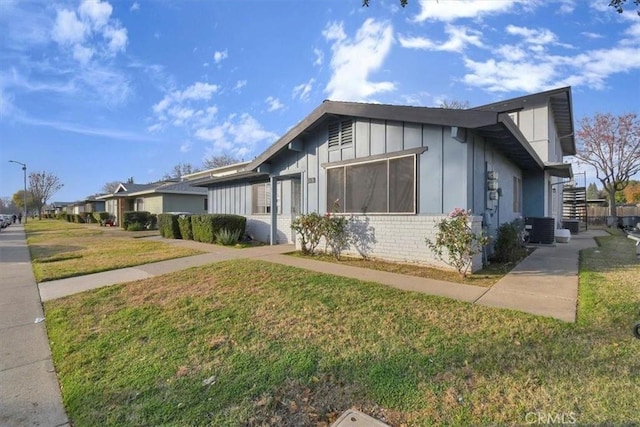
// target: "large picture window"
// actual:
[[261, 198], [383, 186]]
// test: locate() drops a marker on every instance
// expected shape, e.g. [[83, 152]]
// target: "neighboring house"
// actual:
[[60, 207], [158, 197], [399, 169], [90, 204]]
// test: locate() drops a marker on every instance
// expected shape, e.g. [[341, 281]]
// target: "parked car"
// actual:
[[5, 220]]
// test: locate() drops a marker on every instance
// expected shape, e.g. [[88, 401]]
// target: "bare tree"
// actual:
[[219, 161], [179, 170], [612, 146], [110, 187], [42, 186], [454, 104]]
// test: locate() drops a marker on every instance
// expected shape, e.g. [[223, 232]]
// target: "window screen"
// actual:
[[401, 184], [366, 189], [335, 190], [376, 187]]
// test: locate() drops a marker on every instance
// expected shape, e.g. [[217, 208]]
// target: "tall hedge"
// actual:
[[168, 225], [184, 223], [205, 227], [100, 216], [146, 219]]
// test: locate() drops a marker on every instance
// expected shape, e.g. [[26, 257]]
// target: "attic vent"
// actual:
[[340, 133]]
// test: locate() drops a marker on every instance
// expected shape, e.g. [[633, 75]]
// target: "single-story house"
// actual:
[[59, 207], [90, 204], [398, 169], [158, 197]]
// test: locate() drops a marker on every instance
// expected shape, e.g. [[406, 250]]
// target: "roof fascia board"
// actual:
[[515, 131]]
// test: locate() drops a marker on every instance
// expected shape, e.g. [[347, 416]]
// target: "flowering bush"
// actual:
[[456, 244], [310, 228], [335, 229]]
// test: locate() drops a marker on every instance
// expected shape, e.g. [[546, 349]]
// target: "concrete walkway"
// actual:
[[29, 390], [546, 284]]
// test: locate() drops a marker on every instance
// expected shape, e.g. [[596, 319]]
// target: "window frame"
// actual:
[[387, 160], [267, 207]]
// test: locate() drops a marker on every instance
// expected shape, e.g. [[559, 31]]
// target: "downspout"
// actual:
[[273, 240]]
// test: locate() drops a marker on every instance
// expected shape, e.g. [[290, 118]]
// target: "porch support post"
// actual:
[[274, 210]]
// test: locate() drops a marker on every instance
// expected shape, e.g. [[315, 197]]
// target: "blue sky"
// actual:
[[97, 91]]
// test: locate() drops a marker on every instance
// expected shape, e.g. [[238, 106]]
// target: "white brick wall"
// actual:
[[259, 228], [400, 238]]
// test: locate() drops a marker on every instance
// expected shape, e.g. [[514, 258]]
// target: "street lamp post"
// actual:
[[24, 170]]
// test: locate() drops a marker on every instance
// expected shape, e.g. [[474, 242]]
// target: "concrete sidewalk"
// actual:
[[545, 283], [29, 389]]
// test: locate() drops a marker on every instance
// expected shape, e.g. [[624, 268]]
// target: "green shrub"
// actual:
[[509, 246], [228, 237], [101, 217], [310, 227], [147, 219], [135, 226], [184, 223], [456, 243], [205, 227], [168, 225], [61, 216]]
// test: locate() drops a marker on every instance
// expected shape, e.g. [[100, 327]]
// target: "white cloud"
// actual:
[[185, 147], [95, 12], [303, 90], [238, 136], [591, 35], [567, 6], [511, 53], [533, 36], [197, 91], [90, 33], [177, 106], [82, 54], [539, 70], [451, 10], [274, 104], [319, 57], [239, 85], [68, 29], [354, 59], [180, 114], [118, 39], [506, 76], [459, 38], [219, 56], [135, 6]]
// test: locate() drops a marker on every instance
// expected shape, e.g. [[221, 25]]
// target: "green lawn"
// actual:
[[60, 249], [251, 343]]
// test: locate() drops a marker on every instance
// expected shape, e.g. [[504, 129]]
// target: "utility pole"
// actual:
[[24, 194]]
